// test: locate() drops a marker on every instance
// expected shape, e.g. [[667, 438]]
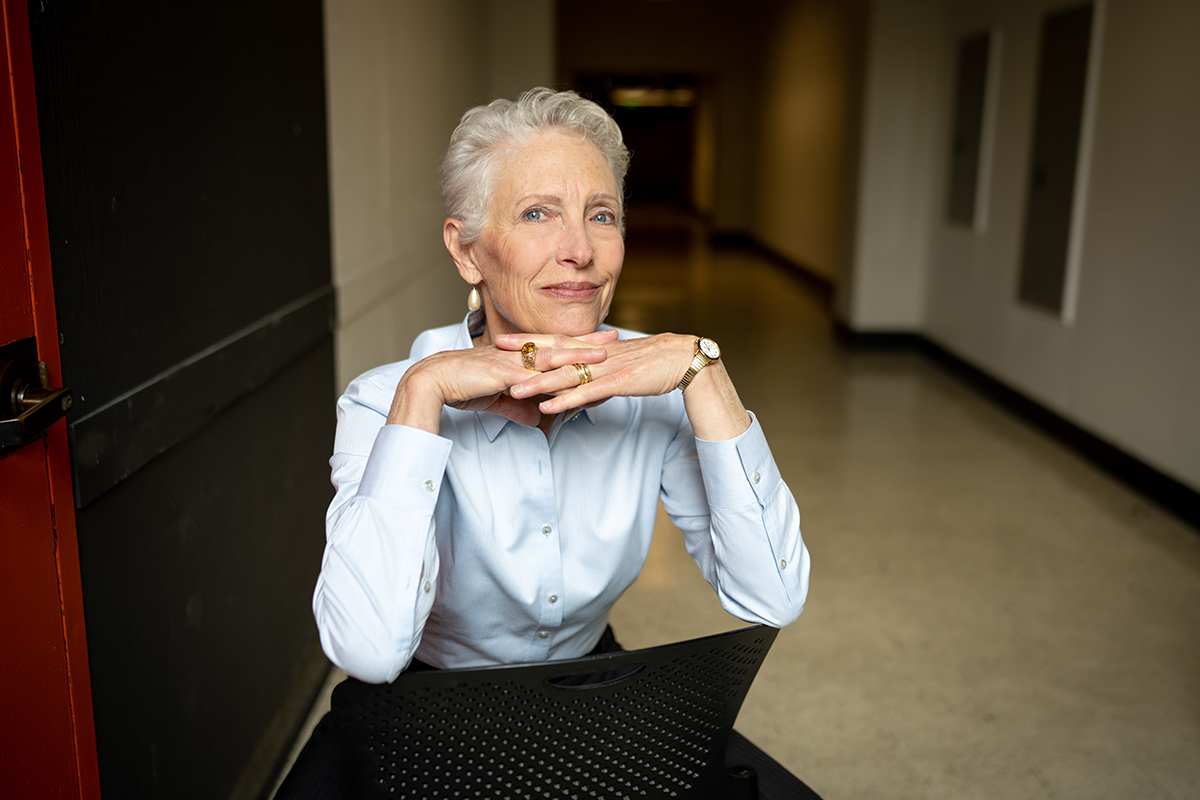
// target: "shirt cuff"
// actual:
[[738, 471], [405, 467]]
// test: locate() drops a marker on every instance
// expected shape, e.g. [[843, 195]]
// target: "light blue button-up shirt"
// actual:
[[493, 543]]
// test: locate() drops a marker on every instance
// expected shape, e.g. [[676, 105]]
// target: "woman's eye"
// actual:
[[535, 215], [604, 218]]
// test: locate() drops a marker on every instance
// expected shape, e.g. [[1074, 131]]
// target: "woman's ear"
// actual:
[[462, 254]]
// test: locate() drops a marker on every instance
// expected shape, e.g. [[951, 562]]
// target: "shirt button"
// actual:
[[428, 586], [757, 477], [546, 529], [783, 563], [542, 634], [428, 486], [553, 598]]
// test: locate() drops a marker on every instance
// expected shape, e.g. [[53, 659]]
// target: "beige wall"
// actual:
[[399, 75], [903, 119], [1127, 367], [807, 138], [520, 38]]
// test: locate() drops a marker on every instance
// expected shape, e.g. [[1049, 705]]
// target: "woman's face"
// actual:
[[551, 253]]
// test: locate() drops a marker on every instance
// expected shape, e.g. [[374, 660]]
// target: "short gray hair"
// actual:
[[468, 171]]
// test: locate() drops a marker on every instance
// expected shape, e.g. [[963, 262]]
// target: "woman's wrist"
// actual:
[[713, 406], [416, 404]]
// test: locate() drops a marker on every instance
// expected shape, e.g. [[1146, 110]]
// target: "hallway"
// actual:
[[989, 616]]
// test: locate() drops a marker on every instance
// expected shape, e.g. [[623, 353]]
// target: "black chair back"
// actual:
[[644, 725]]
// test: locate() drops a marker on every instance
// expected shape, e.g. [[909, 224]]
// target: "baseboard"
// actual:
[[877, 340], [1178, 498]]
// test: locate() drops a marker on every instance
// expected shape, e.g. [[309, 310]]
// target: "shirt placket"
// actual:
[[545, 530]]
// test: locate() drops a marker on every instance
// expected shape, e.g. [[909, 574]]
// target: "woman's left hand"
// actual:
[[642, 367]]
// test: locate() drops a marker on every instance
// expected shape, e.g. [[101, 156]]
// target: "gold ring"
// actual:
[[529, 354], [585, 373]]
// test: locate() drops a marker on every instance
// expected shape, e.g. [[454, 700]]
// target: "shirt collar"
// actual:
[[462, 339], [494, 423]]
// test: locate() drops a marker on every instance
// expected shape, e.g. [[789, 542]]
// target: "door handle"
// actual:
[[27, 405]]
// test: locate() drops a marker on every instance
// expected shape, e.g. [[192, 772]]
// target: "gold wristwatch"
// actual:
[[707, 351]]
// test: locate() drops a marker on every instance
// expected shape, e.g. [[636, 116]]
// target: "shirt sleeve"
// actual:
[[741, 523], [379, 573]]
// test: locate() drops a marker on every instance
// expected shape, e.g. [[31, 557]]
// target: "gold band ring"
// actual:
[[585, 373], [529, 355]]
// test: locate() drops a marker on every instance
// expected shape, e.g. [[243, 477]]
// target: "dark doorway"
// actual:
[[1062, 84], [970, 101], [657, 115]]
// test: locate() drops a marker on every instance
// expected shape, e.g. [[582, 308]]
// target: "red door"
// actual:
[[47, 738]]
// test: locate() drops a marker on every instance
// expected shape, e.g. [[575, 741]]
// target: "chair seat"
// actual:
[[652, 723]]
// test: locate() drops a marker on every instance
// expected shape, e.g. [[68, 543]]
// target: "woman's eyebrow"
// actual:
[[553, 199], [540, 198]]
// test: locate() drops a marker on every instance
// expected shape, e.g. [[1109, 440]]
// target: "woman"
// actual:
[[497, 491]]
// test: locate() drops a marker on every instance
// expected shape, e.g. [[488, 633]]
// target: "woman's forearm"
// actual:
[[416, 404], [713, 406]]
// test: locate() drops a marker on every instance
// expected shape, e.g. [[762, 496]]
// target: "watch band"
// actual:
[[699, 362]]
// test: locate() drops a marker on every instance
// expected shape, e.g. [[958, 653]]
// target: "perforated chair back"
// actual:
[[655, 725]]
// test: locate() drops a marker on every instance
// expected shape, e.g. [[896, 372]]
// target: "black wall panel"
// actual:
[[184, 156], [185, 168], [198, 579]]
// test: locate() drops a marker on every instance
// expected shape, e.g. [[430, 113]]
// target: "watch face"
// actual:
[[710, 349]]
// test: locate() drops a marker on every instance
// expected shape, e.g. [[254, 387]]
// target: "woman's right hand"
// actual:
[[478, 380]]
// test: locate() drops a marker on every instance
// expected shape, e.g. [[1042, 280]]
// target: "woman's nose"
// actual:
[[576, 246]]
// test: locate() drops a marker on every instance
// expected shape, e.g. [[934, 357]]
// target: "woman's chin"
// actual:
[[575, 331], [573, 325]]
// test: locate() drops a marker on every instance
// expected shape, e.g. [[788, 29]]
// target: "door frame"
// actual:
[[58, 464]]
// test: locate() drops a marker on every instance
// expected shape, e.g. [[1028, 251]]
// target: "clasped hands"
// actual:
[[641, 367], [495, 379]]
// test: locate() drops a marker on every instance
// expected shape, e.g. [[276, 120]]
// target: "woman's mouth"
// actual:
[[572, 290]]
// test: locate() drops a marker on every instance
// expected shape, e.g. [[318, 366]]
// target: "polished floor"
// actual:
[[989, 615]]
